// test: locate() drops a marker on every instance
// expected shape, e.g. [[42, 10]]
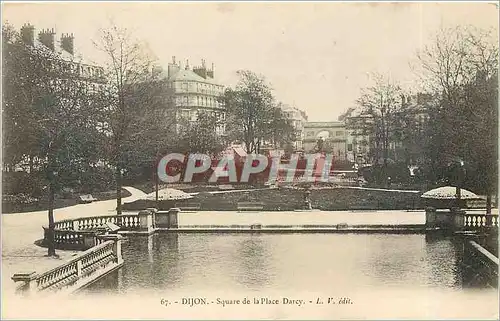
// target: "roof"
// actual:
[[324, 124], [63, 54], [449, 192], [189, 75]]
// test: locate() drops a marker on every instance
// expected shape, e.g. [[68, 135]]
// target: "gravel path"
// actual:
[[21, 230]]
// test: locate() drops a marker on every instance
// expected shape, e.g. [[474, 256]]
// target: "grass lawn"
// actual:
[[59, 202]]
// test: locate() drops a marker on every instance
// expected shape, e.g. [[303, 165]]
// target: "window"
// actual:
[[349, 147], [185, 100], [194, 115], [185, 113], [339, 133], [185, 86]]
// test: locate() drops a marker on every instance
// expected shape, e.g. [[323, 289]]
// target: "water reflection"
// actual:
[[303, 262], [252, 256]]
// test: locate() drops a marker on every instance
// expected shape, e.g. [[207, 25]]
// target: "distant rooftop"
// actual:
[[322, 124]]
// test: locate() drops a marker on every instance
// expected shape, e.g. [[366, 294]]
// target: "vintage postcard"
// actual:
[[250, 160]]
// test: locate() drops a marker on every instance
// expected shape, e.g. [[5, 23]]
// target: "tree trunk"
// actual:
[[118, 177], [50, 233]]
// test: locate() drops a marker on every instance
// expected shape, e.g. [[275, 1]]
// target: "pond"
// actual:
[[360, 267]]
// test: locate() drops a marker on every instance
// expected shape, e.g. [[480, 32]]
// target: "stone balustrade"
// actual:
[[82, 233], [479, 220], [83, 269], [457, 219], [481, 266]]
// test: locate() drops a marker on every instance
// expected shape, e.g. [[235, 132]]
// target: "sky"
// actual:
[[317, 56]]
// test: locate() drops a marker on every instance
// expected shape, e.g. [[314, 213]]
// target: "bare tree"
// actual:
[[382, 102], [134, 104], [455, 58], [461, 69]]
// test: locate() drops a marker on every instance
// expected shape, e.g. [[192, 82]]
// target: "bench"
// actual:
[[191, 207], [250, 206], [87, 198]]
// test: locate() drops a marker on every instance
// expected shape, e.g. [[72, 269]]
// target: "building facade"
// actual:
[[192, 91], [58, 62], [358, 138], [67, 61], [298, 119], [361, 146], [330, 137]]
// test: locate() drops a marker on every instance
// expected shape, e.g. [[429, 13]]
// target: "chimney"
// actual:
[[173, 68], [187, 64], [210, 73], [46, 37], [28, 34], [201, 71], [67, 42]]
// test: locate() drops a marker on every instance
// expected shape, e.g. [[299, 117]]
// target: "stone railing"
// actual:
[[457, 219], [480, 220], [83, 269], [128, 221], [481, 266], [82, 233], [72, 240]]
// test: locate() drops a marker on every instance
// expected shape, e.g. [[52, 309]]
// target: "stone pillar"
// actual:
[[29, 279], [146, 220], [117, 246], [458, 216], [161, 219], [173, 217], [430, 217]]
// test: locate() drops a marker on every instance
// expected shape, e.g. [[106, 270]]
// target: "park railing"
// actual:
[[458, 219], [481, 266], [127, 221], [480, 220], [86, 266], [82, 233]]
